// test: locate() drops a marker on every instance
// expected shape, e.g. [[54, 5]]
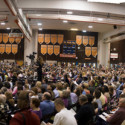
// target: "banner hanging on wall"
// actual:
[[79, 40], [14, 48], [85, 40], [87, 51], [53, 38], [94, 51], [47, 38], [8, 48], [40, 38], [43, 49], [11, 39], [5, 37], [91, 40], [60, 38], [1, 37], [18, 40], [56, 50], [50, 49], [2, 48]]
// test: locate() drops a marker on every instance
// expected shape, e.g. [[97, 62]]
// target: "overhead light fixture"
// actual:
[[69, 12], [38, 15], [108, 1], [3, 23], [84, 31], [100, 19], [65, 21], [8, 28], [74, 29], [40, 29], [39, 24], [90, 26]]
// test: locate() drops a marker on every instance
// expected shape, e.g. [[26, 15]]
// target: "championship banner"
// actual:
[[60, 39], [43, 49], [50, 49], [87, 51], [56, 50], [94, 51], [85, 40], [79, 40], [47, 38], [0, 37], [40, 38], [18, 40], [91, 40], [2, 48], [14, 48], [5, 37], [8, 48], [11, 39], [53, 38]]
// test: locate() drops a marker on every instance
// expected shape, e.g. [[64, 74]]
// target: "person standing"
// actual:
[[39, 68]]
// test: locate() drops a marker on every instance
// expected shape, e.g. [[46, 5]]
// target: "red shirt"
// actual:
[[30, 118]]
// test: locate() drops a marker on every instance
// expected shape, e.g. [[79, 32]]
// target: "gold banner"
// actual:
[[87, 51], [85, 40], [43, 49], [94, 51], [8, 48], [0, 37], [40, 38], [11, 39], [18, 40], [60, 39], [53, 38], [2, 48], [14, 48], [91, 40], [56, 50], [5, 37], [47, 38], [79, 40], [50, 49]]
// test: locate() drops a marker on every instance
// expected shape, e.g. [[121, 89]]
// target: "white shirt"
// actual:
[[65, 117]]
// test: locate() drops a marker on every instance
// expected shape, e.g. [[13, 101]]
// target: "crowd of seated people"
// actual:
[[67, 95]]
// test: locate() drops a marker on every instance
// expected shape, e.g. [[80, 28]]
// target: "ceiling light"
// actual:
[[84, 31], [69, 12], [108, 1], [38, 15], [65, 21], [90, 26], [8, 28], [3, 23], [74, 29], [100, 19], [40, 29], [39, 24]]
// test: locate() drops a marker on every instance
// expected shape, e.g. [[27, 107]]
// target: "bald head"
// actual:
[[2, 98], [46, 96]]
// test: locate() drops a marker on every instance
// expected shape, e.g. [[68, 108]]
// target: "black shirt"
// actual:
[[85, 114]]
